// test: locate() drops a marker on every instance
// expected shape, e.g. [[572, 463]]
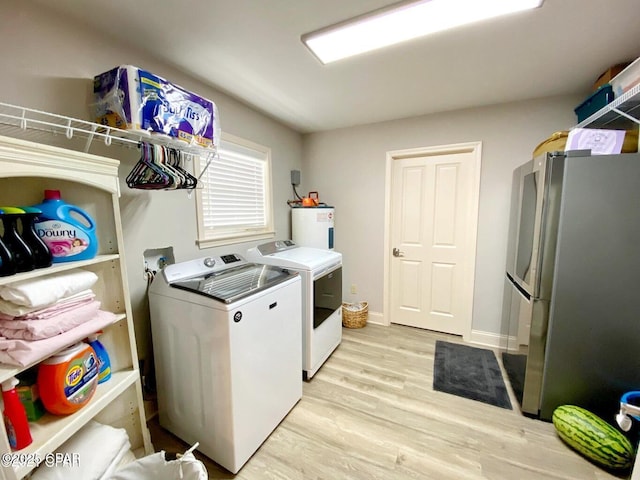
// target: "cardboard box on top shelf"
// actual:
[[626, 79], [608, 74]]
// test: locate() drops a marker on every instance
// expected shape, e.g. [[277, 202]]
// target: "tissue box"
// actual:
[[130, 98]]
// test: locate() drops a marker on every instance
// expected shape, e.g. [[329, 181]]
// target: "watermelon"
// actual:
[[591, 436]]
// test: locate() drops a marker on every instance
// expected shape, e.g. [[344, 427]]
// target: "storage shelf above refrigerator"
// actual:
[[622, 114]]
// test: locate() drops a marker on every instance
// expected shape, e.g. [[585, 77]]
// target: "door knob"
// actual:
[[397, 253]]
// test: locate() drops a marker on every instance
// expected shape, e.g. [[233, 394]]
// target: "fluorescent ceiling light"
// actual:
[[404, 21]]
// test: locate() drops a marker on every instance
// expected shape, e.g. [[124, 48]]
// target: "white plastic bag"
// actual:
[[157, 467]]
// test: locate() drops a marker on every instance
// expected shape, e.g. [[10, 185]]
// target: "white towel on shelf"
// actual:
[[38, 292], [98, 447], [9, 310]]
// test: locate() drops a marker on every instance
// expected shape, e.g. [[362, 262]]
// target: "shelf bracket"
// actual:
[[210, 157], [23, 119], [107, 137], [90, 135], [69, 130], [626, 115]]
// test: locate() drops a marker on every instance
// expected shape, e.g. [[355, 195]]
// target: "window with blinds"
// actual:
[[235, 203]]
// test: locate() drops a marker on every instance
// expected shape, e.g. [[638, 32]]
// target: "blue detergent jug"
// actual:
[[68, 238]]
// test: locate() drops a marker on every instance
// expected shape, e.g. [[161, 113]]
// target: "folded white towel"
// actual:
[[42, 291], [96, 446], [9, 310]]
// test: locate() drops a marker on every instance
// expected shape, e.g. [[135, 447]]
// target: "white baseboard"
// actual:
[[490, 339], [478, 337], [377, 318]]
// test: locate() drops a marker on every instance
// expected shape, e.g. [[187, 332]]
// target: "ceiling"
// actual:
[[251, 50]]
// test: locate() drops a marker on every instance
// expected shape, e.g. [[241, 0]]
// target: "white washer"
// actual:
[[226, 340], [321, 272]]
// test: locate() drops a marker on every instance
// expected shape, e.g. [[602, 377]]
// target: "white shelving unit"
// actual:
[[90, 181]]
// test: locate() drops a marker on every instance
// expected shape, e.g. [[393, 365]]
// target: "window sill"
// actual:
[[230, 240]]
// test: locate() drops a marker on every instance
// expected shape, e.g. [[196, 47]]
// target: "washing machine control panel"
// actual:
[[275, 247], [231, 258], [201, 266]]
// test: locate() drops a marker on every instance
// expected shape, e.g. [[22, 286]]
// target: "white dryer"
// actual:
[[321, 272], [226, 340]]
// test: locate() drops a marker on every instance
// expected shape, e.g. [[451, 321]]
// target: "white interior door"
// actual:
[[433, 229]]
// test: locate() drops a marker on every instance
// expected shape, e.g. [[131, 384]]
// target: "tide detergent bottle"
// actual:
[[69, 237], [68, 380]]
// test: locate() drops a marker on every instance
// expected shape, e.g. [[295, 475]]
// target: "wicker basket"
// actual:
[[354, 315]]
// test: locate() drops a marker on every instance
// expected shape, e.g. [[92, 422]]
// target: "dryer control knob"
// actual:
[[209, 262]]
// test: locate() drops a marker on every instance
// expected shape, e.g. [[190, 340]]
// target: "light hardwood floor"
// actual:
[[371, 413]]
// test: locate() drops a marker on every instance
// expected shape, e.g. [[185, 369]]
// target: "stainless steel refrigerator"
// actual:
[[572, 285]]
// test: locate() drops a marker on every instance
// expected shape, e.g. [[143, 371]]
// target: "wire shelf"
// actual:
[[623, 112], [15, 119]]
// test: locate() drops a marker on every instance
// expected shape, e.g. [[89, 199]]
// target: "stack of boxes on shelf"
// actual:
[[611, 84]]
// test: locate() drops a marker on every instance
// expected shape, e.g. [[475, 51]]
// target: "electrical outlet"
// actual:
[[354, 289]]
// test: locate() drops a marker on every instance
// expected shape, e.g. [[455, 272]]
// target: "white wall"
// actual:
[[347, 167], [49, 63]]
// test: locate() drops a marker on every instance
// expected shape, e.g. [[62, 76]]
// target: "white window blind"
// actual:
[[235, 203]]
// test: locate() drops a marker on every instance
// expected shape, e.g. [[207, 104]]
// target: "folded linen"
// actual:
[[39, 292], [38, 329], [10, 311], [96, 446], [25, 352]]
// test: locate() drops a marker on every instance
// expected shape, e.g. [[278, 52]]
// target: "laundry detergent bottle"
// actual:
[[104, 363], [41, 254], [68, 231], [15, 416], [22, 254], [7, 265], [68, 380]]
